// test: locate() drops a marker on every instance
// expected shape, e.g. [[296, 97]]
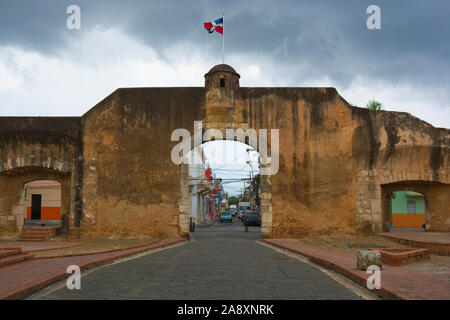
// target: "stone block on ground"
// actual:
[[368, 258]]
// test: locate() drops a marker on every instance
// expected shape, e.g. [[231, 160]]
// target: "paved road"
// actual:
[[222, 263]]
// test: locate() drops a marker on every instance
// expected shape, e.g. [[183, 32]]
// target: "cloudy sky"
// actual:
[[234, 162], [47, 69], [231, 162]]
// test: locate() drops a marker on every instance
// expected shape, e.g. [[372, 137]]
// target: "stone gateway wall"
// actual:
[[130, 185], [308, 194], [36, 148], [398, 150], [338, 163]]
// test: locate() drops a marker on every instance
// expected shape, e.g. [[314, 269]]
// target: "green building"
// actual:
[[408, 210]]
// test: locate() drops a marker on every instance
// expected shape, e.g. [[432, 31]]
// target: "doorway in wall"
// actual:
[[36, 206], [225, 187], [407, 210], [43, 200]]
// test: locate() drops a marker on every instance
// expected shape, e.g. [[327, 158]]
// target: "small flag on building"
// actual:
[[216, 25]]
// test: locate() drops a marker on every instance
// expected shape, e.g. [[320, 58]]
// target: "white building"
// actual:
[[199, 185]]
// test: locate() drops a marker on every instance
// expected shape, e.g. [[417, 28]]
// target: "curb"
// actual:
[[61, 275], [436, 247], [385, 293]]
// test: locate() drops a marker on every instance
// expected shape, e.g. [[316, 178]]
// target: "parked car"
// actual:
[[225, 216], [252, 218]]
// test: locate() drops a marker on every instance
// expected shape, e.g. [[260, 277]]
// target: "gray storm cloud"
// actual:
[[306, 40]]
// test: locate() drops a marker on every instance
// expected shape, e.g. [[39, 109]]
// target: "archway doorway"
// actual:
[[407, 210], [429, 201], [42, 200], [224, 187], [17, 187]]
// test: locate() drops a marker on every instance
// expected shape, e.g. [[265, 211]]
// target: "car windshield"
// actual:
[[226, 213]]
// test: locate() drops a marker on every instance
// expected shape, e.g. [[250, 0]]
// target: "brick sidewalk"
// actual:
[[396, 282], [22, 279]]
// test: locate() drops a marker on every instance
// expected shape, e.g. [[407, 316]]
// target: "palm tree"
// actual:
[[374, 105]]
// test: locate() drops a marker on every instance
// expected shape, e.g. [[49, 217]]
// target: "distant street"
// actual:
[[222, 262]]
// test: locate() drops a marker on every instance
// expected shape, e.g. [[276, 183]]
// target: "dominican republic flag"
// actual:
[[216, 25]]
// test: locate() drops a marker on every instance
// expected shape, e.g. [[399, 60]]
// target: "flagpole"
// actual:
[[223, 38]]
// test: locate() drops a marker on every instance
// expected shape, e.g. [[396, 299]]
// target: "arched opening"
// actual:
[[224, 187], [42, 200], [407, 210], [52, 192], [415, 205]]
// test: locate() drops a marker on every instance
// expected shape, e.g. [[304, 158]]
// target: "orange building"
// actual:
[[43, 200]]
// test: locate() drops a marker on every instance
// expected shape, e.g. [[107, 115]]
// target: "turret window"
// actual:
[[222, 76]]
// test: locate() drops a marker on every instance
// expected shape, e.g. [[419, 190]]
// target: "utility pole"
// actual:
[[252, 185]]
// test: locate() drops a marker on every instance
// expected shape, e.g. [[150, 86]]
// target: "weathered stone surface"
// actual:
[[337, 163], [368, 258]]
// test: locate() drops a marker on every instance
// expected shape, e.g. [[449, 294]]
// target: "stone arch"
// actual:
[[12, 206], [38, 148], [265, 197], [222, 114], [437, 197], [393, 176], [370, 195]]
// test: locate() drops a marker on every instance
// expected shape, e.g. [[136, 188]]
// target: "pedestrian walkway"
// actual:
[[19, 280], [397, 282]]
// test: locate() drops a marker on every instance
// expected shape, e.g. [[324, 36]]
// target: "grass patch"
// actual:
[[93, 245], [350, 242]]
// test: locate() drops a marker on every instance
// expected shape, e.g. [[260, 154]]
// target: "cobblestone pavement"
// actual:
[[223, 262]]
